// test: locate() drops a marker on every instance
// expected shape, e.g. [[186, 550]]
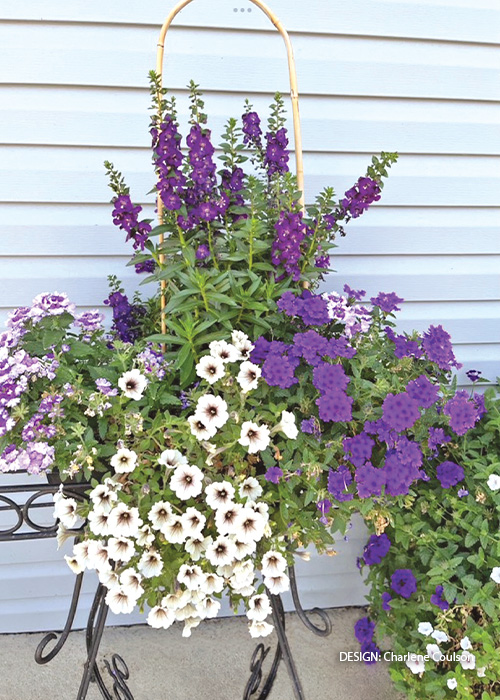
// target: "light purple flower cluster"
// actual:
[[89, 321], [35, 459], [357, 199], [342, 309], [286, 251], [438, 348], [35, 428], [338, 483], [105, 387], [387, 302], [153, 362], [463, 412], [449, 474], [311, 308], [437, 437], [276, 156], [358, 449]]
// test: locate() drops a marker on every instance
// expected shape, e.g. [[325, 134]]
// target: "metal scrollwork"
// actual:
[[321, 630], [118, 670]]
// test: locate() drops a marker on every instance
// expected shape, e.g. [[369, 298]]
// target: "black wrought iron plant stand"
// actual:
[[259, 685]]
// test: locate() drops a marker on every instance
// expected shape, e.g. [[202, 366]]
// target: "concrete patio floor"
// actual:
[[212, 665]]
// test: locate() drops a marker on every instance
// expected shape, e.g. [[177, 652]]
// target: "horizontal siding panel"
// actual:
[[469, 21], [78, 177], [42, 54], [89, 118]]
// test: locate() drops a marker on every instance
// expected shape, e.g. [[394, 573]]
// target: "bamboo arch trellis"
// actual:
[[294, 94]]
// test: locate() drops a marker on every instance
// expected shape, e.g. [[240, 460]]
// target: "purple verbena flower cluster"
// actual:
[[463, 412]]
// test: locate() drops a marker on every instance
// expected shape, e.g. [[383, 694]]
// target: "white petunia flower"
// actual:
[[238, 338], [212, 410], [226, 518], [261, 508], [103, 498], [243, 572], [244, 549], [273, 564], [248, 376], [495, 574], [131, 581], [439, 636], [210, 368], [481, 672], [277, 584], [172, 459], [98, 556], [494, 482], [189, 624], [287, 425], [112, 483], [133, 384], [195, 546], [124, 461], [466, 644], [242, 343], [99, 522], [119, 600], [187, 481], [212, 584], [121, 549], [221, 551], [160, 514], [219, 494], [81, 552], [209, 608], [260, 629], [259, 607], [250, 489], [160, 618], [415, 663], [250, 525], [174, 531], [254, 437], [110, 579], [65, 511], [150, 564], [467, 660], [425, 628], [434, 652], [200, 429], [223, 351], [74, 564], [191, 576], [145, 536], [193, 522], [452, 683], [124, 521]]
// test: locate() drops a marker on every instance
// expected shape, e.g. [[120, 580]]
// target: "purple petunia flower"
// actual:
[[376, 549], [371, 653], [403, 582], [364, 630], [273, 475], [386, 598], [449, 474], [438, 599]]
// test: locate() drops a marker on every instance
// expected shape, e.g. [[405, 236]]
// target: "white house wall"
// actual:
[[415, 76]]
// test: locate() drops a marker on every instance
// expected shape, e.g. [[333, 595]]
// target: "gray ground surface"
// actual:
[[212, 665]]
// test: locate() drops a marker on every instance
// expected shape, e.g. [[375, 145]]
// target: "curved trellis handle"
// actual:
[[293, 94]]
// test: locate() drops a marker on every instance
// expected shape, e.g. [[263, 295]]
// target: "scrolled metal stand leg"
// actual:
[[253, 685], [39, 657], [321, 631], [279, 623], [98, 613]]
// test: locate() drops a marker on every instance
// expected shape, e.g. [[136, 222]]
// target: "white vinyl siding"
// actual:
[[415, 76]]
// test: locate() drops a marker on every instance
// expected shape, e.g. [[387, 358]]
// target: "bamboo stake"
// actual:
[[294, 95]]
